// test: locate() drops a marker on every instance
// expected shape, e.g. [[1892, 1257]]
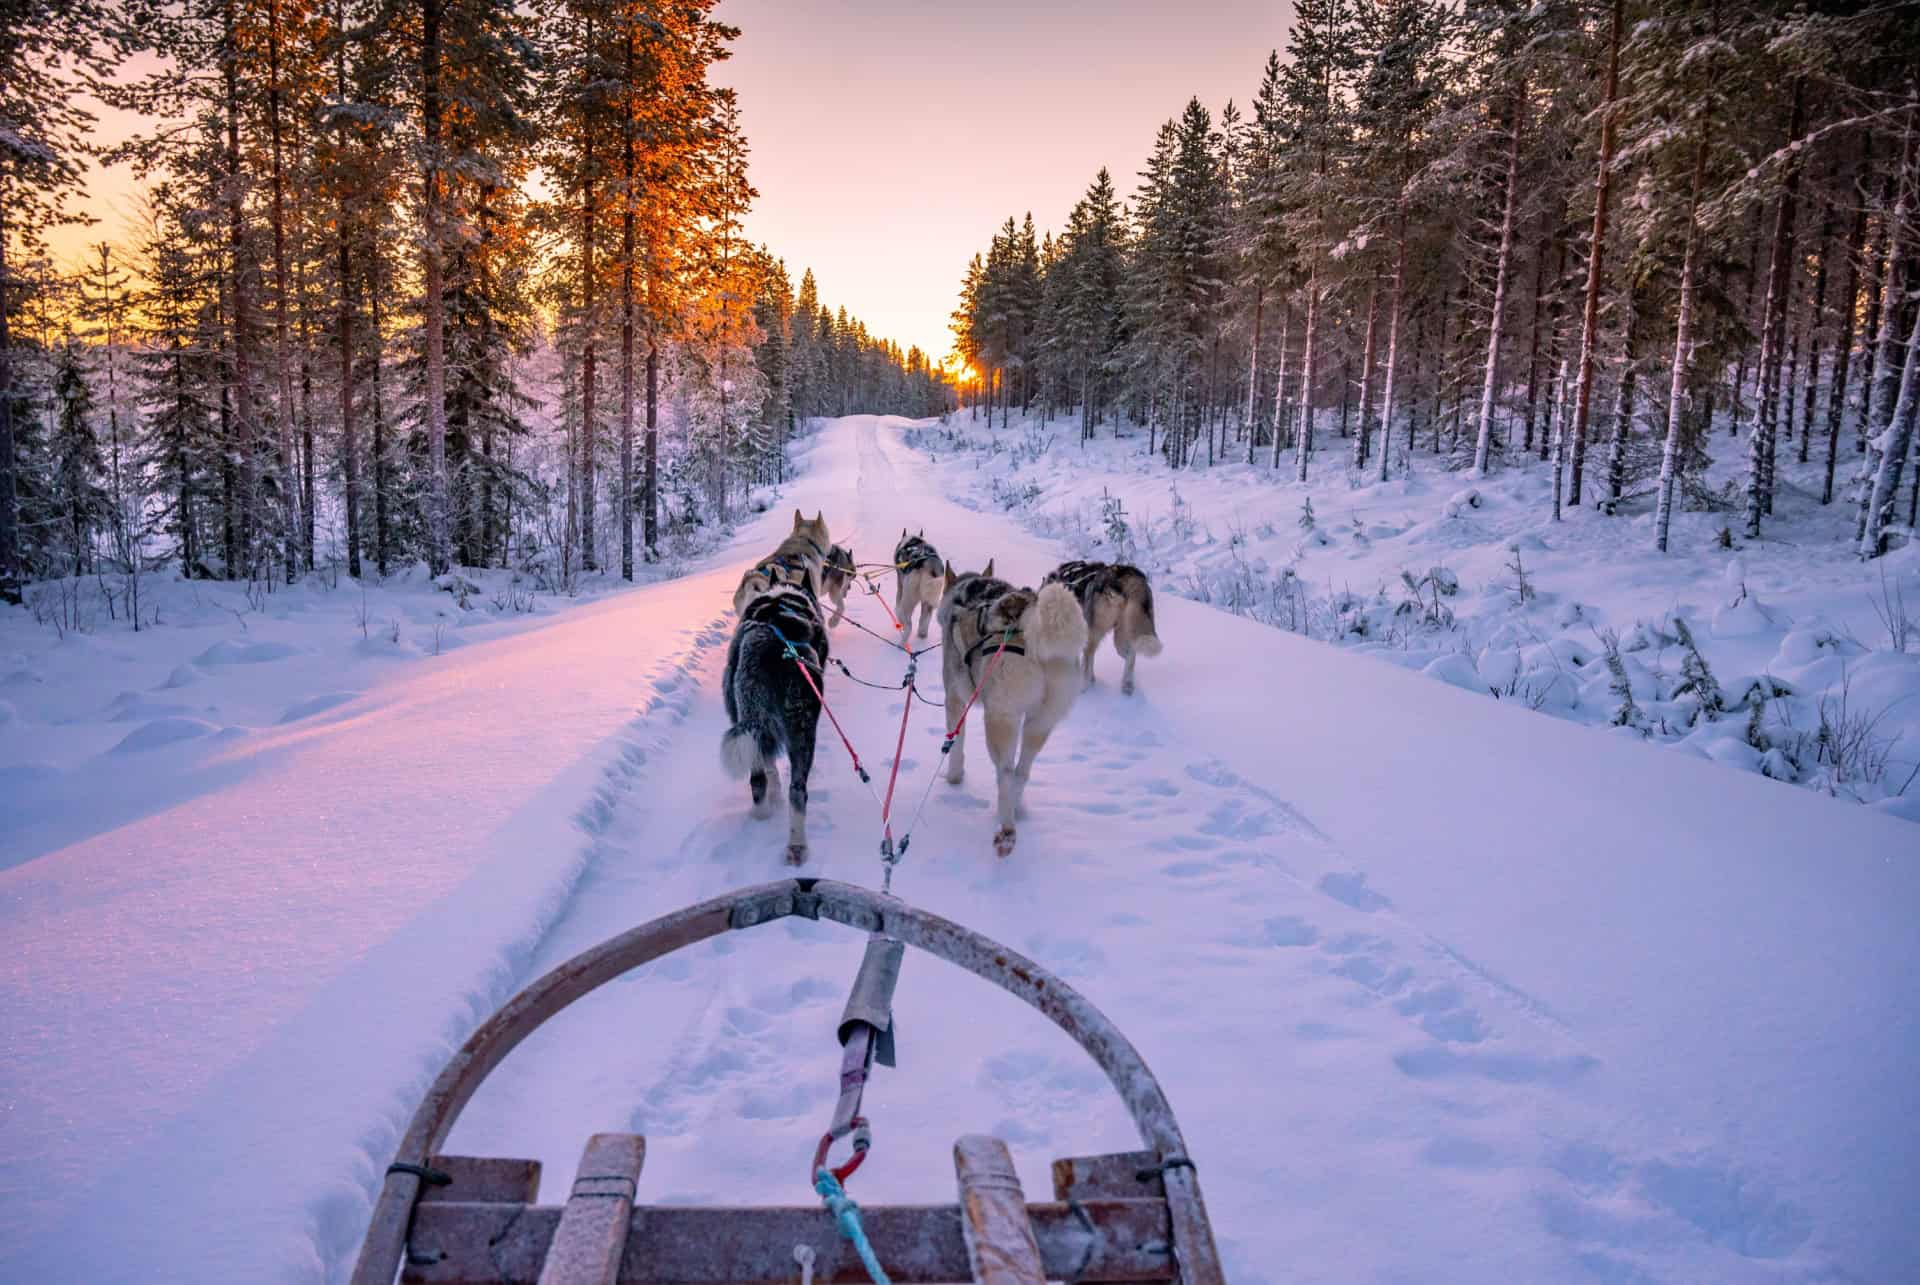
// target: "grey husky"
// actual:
[[1022, 648], [772, 706], [799, 559], [835, 577], [918, 567], [1117, 600]]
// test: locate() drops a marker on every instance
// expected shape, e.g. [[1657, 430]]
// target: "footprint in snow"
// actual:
[[1607, 1194], [1351, 890], [778, 1000]]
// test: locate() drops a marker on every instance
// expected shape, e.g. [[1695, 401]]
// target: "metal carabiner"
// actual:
[[862, 1134]]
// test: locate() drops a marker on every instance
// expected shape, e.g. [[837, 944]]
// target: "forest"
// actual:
[[1624, 238], [460, 282]]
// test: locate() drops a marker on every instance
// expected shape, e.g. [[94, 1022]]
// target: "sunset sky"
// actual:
[[890, 137]]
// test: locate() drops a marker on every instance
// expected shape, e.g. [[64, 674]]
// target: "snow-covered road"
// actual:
[[1442, 990]]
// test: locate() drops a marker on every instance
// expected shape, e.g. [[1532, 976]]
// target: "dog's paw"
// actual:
[[1003, 842], [956, 774], [1126, 689], [796, 854]]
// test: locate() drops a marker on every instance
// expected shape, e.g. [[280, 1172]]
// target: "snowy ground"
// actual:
[[1442, 990], [1420, 571]]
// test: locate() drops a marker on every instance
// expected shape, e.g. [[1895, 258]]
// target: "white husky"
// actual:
[[1023, 649]]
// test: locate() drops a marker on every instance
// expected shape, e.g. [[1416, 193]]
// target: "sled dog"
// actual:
[[1117, 600], [835, 577], [801, 557], [920, 582], [1038, 638], [771, 705]]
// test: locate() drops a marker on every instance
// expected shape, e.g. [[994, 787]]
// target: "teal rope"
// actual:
[[847, 1215]]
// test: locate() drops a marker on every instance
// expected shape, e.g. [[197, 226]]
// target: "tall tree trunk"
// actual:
[[1393, 345], [1843, 348], [382, 483], [1590, 325], [349, 445], [245, 422], [1773, 335], [628, 168], [1622, 407], [650, 468], [1483, 442], [1303, 440], [1362, 436], [1879, 389], [1816, 318], [289, 489], [11, 572], [1280, 382], [1253, 372], [1898, 440], [1533, 339], [1560, 413], [439, 552]]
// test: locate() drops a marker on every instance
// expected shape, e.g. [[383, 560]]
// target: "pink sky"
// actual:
[[890, 137]]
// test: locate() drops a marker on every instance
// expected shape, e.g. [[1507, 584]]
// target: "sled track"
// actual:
[[340, 1222]]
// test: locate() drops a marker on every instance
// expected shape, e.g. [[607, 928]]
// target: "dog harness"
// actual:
[[981, 594], [915, 552]]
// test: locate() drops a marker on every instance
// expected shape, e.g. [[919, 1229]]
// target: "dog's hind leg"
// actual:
[[800, 766], [1086, 661], [1033, 738], [765, 783], [956, 703], [1001, 733], [1126, 675]]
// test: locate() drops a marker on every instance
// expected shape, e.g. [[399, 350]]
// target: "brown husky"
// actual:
[[800, 558], [1023, 648], [1118, 600]]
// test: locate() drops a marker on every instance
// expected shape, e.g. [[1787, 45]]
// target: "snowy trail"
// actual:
[[1440, 990]]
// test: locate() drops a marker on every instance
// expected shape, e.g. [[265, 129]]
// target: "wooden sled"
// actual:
[[1134, 1216]]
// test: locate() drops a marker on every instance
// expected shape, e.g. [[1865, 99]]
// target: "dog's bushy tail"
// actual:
[[1054, 627], [1146, 635], [741, 751]]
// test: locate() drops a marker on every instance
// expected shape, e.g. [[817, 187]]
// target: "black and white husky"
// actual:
[[772, 706], [1117, 600], [1022, 648], [920, 583]]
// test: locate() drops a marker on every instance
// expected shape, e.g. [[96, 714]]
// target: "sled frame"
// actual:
[[1164, 1170]]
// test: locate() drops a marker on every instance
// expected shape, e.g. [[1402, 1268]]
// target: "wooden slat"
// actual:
[[1115, 1176], [1000, 1244], [490, 1244], [591, 1239], [484, 1180]]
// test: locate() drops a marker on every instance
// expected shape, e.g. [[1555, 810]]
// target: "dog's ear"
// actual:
[[819, 517], [989, 571], [798, 520], [903, 533]]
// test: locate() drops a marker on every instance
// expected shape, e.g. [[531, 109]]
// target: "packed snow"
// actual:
[[1441, 989], [1811, 657]]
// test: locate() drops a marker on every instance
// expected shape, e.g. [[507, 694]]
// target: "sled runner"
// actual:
[[1133, 1216]]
